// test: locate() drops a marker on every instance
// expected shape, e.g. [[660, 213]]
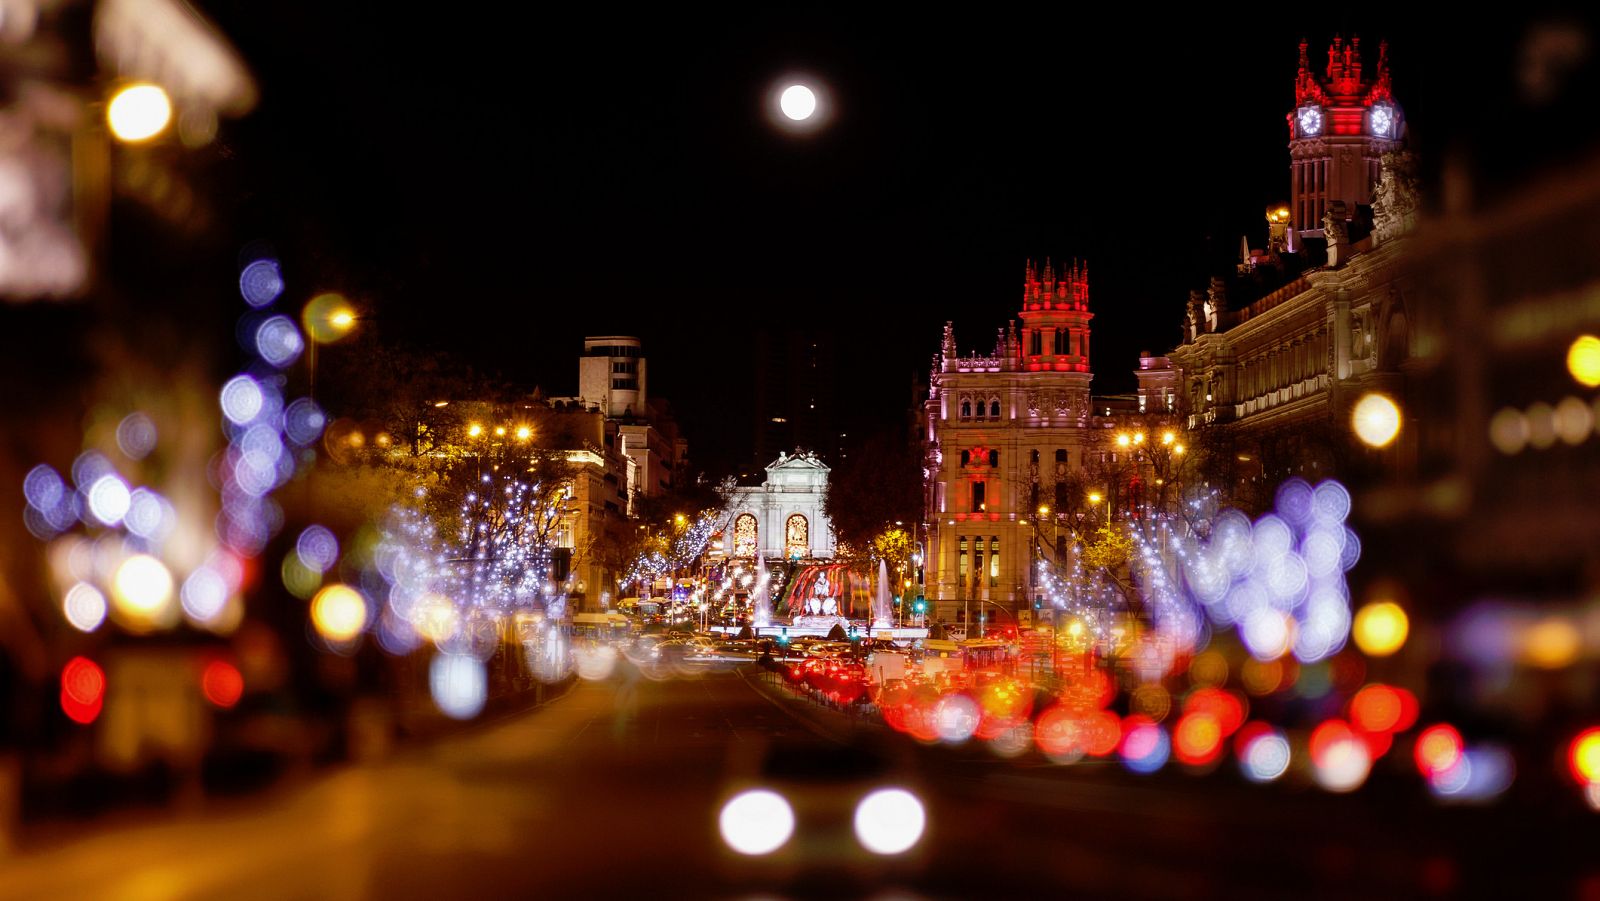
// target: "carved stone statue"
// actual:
[[1336, 233], [1197, 315], [1394, 204]]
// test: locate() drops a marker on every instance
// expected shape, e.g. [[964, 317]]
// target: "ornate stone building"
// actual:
[[1274, 356], [783, 516], [1015, 430]]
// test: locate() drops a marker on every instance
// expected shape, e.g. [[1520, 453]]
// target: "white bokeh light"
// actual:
[[889, 821], [757, 822]]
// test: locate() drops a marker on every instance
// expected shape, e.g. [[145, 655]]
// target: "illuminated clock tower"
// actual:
[[1342, 124]]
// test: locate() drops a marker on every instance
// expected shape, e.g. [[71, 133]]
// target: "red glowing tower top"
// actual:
[[1342, 124], [1055, 319]]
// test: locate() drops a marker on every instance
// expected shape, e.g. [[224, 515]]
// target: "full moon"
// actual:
[[797, 102]]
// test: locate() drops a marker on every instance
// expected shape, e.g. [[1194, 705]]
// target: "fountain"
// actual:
[[883, 607], [761, 615]]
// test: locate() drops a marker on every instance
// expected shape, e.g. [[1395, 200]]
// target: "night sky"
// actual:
[[498, 188]]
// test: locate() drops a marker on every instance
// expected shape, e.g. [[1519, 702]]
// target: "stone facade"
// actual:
[[785, 512]]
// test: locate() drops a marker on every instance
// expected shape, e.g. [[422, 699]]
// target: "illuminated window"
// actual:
[[994, 560], [977, 562], [744, 536], [961, 565], [797, 537]]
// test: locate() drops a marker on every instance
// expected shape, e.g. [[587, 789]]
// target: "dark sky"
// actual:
[[499, 187]]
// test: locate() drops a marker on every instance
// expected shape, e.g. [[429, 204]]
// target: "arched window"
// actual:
[[994, 458], [796, 538], [966, 457], [966, 409], [1036, 342], [1061, 340], [744, 535], [1061, 455], [994, 409], [1035, 457]]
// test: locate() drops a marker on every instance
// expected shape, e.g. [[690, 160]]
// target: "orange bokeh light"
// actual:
[[1584, 756], [1438, 748], [1198, 738]]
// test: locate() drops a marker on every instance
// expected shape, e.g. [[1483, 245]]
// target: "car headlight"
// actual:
[[757, 822], [889, 821]]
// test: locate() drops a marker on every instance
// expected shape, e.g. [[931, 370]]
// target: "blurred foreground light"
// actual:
[[318, 548], [1340, 759], [1583, 360], [339, 613], [83, 690], [1583, 756], [1478, 775], [1381, 628], [139, 112], [955, 718], [1145, 745], [241, 399], [1376, 420], [1552, 643], [84, 607], [757, 822], [1438, 748], [890, 821], [221, 683], [204, 594], [136, 435], [278, 341], [261, 282], [141, 589], [1264, 755], [109, 499], [458, 684]]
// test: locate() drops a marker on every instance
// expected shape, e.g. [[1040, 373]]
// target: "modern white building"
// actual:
[[782, 517]]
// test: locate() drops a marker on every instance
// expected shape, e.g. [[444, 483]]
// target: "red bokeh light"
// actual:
[[1225, 707], [221, 683], [83, 690], [1197, 740]]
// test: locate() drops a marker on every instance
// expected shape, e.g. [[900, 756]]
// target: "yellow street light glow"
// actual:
[[474, 430], [1094, 497], [1376, 420], [141, 587], [1380, 628], [1583, 360], [1123, 440], [1178, 449], [338, 612], [524, 433], [442, 403], [1138, 438], [500, 430], [328, 317], [1044, 511], [1168, 437], [139, 112]]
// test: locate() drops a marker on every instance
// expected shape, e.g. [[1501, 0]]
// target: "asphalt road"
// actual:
[[613, 791]]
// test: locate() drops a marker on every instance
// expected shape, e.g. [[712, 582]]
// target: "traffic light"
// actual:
[[784, 638], [921, 606], [1038, 602]]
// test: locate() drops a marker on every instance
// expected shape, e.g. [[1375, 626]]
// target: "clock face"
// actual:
[[1382, 121], [1310, 121]]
